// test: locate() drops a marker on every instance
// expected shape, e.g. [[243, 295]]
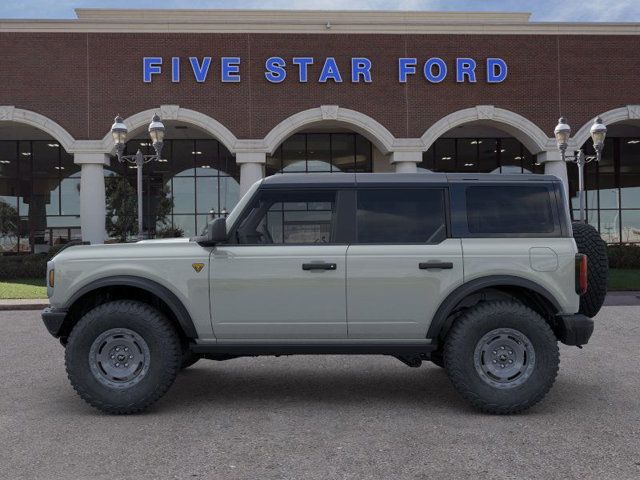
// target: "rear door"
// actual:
[[402, 264]]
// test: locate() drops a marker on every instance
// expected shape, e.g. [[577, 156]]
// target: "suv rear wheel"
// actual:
[[122, 356], [501, 356]]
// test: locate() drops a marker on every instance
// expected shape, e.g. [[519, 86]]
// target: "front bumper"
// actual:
[[53, 319], [574, 329]]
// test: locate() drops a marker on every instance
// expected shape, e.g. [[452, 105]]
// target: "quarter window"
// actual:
[[401, 216], [290, 218], [509, 209]]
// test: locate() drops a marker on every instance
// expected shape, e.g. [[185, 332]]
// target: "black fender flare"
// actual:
[[439, 321], [167, 296]]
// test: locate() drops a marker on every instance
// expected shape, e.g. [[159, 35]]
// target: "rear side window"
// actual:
[[509, 209], [401, 216]]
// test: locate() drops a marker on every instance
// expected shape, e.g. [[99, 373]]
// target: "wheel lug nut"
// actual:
[[495, 361], [113, 356], [126, 349], [117, 349], [126, 364], [495, 353], [510, 361], [117, 364], [130, 356], [502, 365]]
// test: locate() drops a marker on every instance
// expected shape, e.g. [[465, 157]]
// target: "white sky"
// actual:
[[542, 10]]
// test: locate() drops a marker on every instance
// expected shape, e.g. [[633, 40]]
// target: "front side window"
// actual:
[[401, 216], [509, 210], [280, 218]]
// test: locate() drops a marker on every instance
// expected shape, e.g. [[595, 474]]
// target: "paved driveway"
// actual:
[[333, 417]]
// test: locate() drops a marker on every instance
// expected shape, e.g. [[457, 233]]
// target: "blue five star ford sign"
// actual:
[[305, 69]]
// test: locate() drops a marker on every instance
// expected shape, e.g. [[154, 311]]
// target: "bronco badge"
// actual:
[[197, 266]]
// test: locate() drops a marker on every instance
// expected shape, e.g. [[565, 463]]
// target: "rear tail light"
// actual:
[[581, 274]]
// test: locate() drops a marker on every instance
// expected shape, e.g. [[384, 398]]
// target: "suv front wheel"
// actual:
[[501, 356], [122, 356]]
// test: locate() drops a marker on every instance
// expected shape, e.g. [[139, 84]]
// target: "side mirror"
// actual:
[[216, 233]]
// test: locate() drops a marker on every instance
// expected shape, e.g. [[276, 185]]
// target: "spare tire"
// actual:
[[591, 244]]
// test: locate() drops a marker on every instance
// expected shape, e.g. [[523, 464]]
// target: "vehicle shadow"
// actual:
[[427, 386]]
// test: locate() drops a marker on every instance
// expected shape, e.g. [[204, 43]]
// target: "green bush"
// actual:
[[624, 256], [26, 266], [23, 266]]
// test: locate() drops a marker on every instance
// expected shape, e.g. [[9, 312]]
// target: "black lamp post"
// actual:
[[156, 132], [598, 133]]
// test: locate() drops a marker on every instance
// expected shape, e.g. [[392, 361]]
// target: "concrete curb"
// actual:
[[26, 304]]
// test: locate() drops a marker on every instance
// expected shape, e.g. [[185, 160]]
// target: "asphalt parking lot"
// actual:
[[330, 417]]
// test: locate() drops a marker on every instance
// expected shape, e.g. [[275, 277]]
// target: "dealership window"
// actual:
[[39, 196], [321, 152], [285, 217], [508, 210], [198, 179], [401, 216], [612, 190], [479, 155]]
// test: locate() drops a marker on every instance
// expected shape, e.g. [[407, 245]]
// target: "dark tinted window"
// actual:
[[509, 209], [280, 217], [401, 216]]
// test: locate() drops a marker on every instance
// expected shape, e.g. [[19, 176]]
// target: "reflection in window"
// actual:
[[289, 218], [39, 196]]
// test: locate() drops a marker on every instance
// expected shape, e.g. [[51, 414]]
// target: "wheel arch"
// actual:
[[527, 291], [132, 287]]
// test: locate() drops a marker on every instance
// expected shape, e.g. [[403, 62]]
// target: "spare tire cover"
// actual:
[[591, 244]]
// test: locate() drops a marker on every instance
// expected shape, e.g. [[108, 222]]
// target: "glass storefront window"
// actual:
[[321, 152], [39, 193], [195, 180]]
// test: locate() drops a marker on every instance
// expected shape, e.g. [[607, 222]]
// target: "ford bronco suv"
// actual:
[[480, 274]]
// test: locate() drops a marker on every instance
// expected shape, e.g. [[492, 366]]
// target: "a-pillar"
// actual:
[[251, 168], [406, 161], [92, 195]]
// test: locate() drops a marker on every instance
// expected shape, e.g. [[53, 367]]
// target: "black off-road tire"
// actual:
[[591, 244], [467, 335], [145, 325]]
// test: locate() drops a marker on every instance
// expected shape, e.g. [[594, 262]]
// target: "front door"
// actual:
[[402, 264], [282, 276]]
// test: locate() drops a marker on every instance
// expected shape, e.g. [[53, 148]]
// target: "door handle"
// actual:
[[319, 266], [435, 265]]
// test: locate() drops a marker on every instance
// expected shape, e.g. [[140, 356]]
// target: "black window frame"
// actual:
[[444, 190]]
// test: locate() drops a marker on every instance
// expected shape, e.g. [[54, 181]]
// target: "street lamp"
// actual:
[[156, 132], [562, 133]]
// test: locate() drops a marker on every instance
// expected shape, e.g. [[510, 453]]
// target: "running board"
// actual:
[[255, 349]]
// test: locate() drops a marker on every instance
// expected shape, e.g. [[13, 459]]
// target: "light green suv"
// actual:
[[480, 274]]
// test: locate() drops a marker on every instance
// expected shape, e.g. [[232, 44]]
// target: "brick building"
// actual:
[[245, 94]]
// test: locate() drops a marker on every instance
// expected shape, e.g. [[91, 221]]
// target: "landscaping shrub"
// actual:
[[23, 266], [624, 256]]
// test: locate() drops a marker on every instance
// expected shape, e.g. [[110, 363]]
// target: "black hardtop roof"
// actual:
[[398, 179]]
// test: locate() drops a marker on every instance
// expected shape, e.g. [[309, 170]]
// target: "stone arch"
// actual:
[[360, 123], [177, 113], [617, 115], [10, 113], [516, 125]]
